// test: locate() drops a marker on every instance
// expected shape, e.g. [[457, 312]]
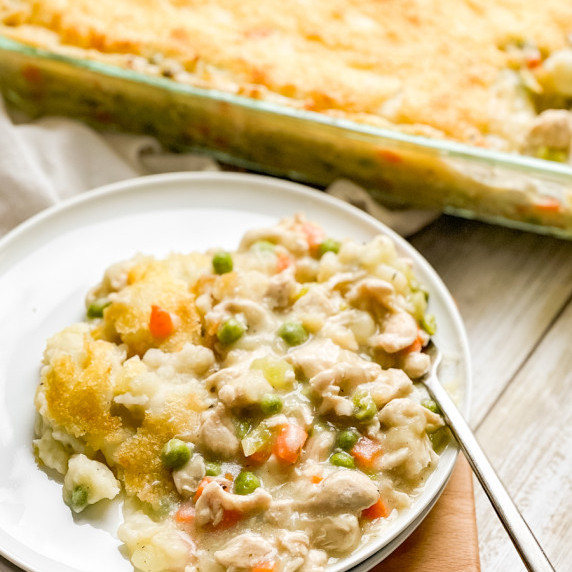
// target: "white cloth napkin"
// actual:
[[45, 161]]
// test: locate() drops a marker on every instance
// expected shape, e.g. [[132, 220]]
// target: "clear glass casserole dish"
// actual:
[[397, 169]]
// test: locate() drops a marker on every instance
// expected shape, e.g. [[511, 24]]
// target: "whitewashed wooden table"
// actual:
[[514, 292]]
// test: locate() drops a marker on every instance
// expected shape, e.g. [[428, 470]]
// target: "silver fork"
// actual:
[[522, 537]]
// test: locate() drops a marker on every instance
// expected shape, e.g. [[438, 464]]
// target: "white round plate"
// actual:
[[49, 263]]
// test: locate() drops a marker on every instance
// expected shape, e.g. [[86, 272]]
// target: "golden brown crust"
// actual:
[[79, 400], [78, 396], [425, 65]]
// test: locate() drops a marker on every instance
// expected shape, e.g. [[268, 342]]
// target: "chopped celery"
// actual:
[[278, 373], [429, 324], [256, 439], [96, 308], [431, 405]]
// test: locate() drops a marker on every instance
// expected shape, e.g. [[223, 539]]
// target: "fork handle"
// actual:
[[522, 537]]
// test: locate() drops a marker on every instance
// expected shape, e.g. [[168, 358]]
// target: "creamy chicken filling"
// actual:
[[311, 434]]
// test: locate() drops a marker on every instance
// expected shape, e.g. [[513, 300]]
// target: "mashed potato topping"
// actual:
[[257, 408]]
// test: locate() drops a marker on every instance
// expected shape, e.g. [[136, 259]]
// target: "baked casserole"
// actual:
[[493, 74], [258, 408]]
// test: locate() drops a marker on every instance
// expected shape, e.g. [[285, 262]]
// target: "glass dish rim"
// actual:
[[449, 148]]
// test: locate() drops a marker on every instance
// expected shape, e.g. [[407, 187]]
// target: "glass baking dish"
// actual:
[[397, 169]]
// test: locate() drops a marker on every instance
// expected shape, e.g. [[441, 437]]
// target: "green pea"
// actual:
[[271, 404], [246, 483], [95, 309], [293, 333], [342, 459], [329, 245], [347, 439], [431, 405], [212, 469], [175, 454], [78, 499], [222, 262], [365, 407], [230, 331], [429, 324]]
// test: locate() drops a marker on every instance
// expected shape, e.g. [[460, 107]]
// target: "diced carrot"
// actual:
[[533, 59], [416, 346], [32, 75], [230, 518], [314, 235], [160, 322], [201, 487], [266, 567], [283, 261], [375, 511], [548, 205], [185, 514], [389, 156], [289, 442], [316, 479], [366, 452], [229, 476]]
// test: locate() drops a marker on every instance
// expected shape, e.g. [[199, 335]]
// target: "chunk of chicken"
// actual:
[[281, 288], [343, 490], [551, 129], [407, 448], [244, 552], [315, 561], [390, 384], [217, 432], [372, 290], [315, 356], [295, 545], [238, 385], [317, 300], [400, 331], [214, 500], [416, 364], [347, 374], [319, 446], [188, 477], [337, 534], [256, 316]]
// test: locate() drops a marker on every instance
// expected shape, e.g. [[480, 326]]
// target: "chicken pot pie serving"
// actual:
[[258, 408]]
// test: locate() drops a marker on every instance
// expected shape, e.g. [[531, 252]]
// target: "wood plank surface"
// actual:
[[528, 437], [514, 291]]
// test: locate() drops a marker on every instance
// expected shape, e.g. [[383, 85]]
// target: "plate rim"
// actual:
[[150, 183]]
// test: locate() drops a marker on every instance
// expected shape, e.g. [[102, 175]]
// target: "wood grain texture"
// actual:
[[446, 541], [528, 437], [508, 285]]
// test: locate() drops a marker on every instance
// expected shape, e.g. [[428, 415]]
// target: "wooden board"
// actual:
[[447, 539]]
